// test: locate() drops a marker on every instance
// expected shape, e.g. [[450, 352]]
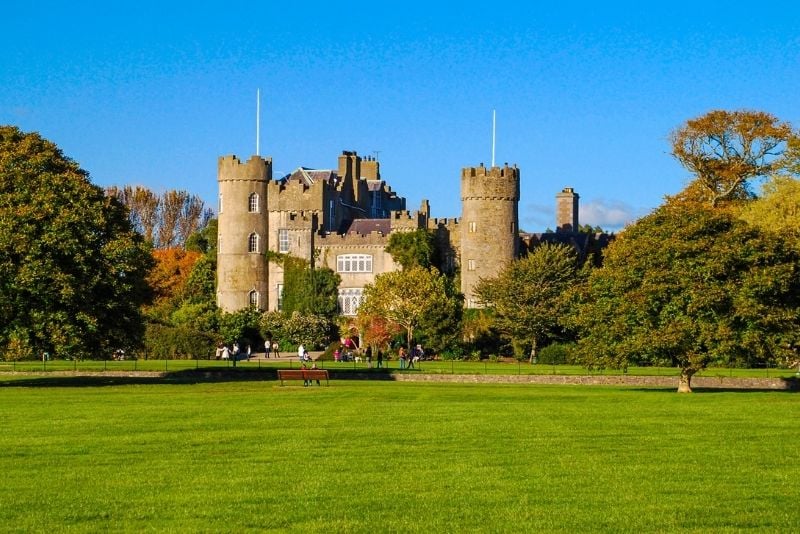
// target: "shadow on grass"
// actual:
[[188, 377]]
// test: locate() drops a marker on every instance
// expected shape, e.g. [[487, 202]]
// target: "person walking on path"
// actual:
[[301, 351], [276, 349]]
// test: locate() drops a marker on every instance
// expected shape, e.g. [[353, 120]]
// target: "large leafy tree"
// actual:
[[724, 150], [309, 291], [528, 296], [415, 248], [687, 286], [72, 270], [405, 298]]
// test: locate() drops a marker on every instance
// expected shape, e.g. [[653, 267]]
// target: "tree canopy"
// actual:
[[72, 270], [689, 285], [406, 297], [410, 249], [528, 296], [726, 149]]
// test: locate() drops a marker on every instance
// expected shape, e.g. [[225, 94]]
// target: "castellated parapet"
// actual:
[[489, 225], [243, 229]]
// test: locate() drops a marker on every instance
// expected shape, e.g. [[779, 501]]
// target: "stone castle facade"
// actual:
[[343, 218]]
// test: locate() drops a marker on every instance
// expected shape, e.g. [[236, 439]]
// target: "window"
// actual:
[[470, 265], [252, 203], [350, 298], [280, 296], [252, 243], [473, 227], [220, 202], [283, 240], [354, 263], [252, 298]]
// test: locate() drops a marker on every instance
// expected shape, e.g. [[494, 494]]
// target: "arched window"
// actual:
[[252, 243], [252, 298], [252, 203], [220, 203]]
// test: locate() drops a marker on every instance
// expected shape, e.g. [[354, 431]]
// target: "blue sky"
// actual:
[[586, 95]]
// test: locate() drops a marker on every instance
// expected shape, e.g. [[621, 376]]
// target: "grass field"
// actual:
[[116, 455], [438, 367]]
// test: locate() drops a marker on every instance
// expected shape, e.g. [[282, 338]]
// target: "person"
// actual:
[[368, 356], [226, 352], [249, 352], [276, 349], [337, 355], [306, 357], [300, 352], [314, 366], [380, 358], [411, 357], [218, 353], [304, 368], [401, 355], [236, 350]]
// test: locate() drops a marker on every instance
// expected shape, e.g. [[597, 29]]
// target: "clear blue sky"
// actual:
[[586, 95]]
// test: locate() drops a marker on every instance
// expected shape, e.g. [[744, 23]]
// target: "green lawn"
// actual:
[[102, 454], [438, 367]]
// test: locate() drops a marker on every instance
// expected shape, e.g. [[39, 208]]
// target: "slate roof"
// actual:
[[365, 226]]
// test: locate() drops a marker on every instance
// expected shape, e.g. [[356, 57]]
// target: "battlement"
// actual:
[[444, 222], [352, 239], [490, 172], [232, 168], [495, 183]]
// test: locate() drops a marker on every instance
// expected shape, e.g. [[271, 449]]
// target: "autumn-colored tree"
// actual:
[[171, 272], [690, 285], [376, 331], [167, 220], [724, 150]]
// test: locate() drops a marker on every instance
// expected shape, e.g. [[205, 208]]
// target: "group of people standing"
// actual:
[[234, 352]]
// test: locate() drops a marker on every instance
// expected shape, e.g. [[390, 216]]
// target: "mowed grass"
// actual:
[[363, 456]]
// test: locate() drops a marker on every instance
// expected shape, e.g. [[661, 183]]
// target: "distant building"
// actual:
[[343, 218]]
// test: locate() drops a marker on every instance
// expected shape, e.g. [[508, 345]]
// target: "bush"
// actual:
[[177, 343], [555, 353], [452, 353], [313, 331]]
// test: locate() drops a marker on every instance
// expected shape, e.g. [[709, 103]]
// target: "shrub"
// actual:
[[555, 353], [177, 343]]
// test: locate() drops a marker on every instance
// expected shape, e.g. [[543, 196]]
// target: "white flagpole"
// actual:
[[258, 122], [494, 124]]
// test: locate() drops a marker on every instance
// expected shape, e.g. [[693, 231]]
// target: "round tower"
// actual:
[[242, 279], [489, 224]]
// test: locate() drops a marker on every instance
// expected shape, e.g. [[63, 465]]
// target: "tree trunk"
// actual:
[[532, 358], [685, 381]]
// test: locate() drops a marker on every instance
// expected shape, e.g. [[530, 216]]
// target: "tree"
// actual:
[[689, 285], [528, 296], [778, 209], [405, 297], [410, 249], [72, 269], [725, 149], [309, 291], [167, 220], [169, 276]]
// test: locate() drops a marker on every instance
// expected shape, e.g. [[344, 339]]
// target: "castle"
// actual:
[[343, 219]]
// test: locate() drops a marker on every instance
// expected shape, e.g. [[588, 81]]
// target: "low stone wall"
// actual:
[[616, 380]]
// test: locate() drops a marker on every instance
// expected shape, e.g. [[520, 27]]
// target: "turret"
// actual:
[[489, 224], [242, 279]]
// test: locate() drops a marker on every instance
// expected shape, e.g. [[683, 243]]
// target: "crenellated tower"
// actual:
[[242, 278], [489, 224]]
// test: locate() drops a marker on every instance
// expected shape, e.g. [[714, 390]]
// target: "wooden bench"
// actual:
[[303, 374]]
